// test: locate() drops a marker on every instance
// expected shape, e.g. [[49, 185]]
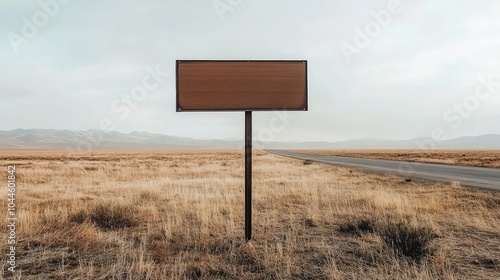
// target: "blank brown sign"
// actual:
[[241, 85]]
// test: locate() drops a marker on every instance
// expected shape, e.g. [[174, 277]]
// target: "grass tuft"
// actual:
[[106, 216], [408, 240], [359, 227]]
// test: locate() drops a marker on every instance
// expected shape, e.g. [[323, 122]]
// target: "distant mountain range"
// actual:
[[96, 139]]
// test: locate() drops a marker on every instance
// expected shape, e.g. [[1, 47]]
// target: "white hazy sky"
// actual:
[[86, 55]]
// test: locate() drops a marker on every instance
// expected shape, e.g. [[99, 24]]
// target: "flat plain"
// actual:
[[179, 215], [477, 158]]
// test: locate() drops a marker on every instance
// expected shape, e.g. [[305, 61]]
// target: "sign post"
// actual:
[[242, 85], [248, 175]]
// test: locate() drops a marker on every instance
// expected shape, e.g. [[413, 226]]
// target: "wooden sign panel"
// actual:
[[230, 85]]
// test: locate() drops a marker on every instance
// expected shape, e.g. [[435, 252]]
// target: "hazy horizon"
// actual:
[[241, 138], [385, 69]]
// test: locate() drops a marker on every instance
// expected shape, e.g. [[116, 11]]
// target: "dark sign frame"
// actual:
[[282, 94]]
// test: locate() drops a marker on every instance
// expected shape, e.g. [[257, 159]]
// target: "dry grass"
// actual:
[[179, 215], [484, 158]]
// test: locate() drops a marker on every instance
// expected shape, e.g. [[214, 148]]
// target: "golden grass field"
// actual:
[[483, 158], [179, 215]]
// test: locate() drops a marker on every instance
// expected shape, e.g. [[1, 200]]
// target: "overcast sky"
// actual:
[[377, 69]]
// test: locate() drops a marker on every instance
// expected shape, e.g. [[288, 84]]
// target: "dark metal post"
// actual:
[[248, 175]]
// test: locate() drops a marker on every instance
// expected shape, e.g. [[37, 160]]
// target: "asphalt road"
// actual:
[[488, 178]]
